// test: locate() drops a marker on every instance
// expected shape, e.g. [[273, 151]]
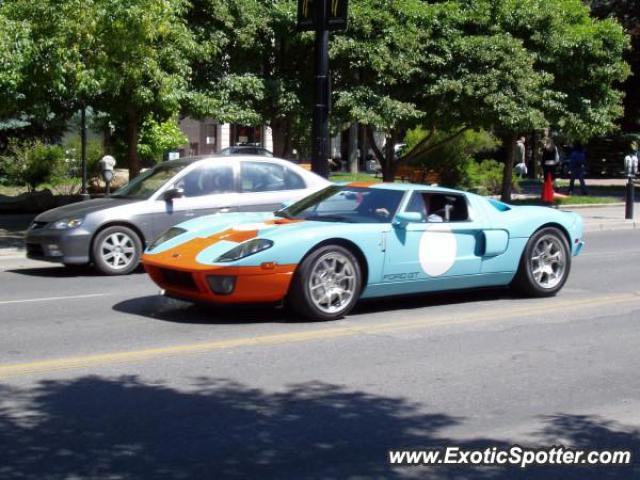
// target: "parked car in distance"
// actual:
[[112, 232], [246, 150], [346, 242]]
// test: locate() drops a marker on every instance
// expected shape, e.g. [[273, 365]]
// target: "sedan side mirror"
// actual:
[[172, 193], [404, 218]]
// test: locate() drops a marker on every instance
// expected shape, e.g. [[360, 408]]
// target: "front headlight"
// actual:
[[166, 236], [66, 223], [245, 249]]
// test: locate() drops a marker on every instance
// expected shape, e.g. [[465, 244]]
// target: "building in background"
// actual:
[[208, 136]]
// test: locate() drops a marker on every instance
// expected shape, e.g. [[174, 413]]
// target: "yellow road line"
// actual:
[[530, 309]]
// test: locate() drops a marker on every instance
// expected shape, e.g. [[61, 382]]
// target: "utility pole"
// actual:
[[83, 150], [320, 130], [321, 16]]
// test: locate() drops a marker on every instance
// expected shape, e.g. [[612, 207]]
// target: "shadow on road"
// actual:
[[166, 309], [176, 311], [62, 271], [96, 427]]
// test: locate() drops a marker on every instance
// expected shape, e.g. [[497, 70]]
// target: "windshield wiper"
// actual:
[[283, 214], [329, 218]]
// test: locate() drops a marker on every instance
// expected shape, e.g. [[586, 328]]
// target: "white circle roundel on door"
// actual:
[[438, 250]]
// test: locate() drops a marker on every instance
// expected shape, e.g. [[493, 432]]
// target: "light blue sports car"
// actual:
[[359, 240]]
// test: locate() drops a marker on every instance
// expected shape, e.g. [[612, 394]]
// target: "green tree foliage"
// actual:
[[253, 66], [55, 77], [15, 51], [127, 58], [158, 138], [627, 12], [142, 63]]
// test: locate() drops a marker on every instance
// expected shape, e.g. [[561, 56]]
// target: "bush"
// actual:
[[73, 158], [31, 163], [158, 138], [452, 159], [485, 177]]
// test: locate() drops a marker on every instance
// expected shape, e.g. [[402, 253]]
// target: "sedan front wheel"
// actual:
[[117, 250]]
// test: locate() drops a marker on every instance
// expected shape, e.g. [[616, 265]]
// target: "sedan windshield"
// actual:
[[147, 183], [347, 204]]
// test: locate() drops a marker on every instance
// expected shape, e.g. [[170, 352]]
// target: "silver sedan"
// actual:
[[112, 232]]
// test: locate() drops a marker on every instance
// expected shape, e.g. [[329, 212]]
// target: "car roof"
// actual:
[[403, 187]]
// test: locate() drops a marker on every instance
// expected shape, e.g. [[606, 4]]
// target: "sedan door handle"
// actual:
[[224, 210]]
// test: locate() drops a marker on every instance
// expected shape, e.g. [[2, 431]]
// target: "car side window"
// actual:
[[439, 207], [292, 180], [207, 180], [262, 177]]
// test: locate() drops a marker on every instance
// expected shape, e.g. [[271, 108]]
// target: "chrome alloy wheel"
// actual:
[[548, 262], [118, 250], [332, 283]]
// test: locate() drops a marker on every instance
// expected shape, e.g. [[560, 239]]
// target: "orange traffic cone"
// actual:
[[547, 189]]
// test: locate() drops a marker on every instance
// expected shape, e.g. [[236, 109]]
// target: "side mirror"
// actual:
[[172, 193], [404, 218]]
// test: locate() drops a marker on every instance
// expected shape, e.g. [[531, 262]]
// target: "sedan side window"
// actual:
[[207, 180], [439, 207], [262, 177]]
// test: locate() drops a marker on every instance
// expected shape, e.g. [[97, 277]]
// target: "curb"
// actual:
[[613, 226], [587, 205]]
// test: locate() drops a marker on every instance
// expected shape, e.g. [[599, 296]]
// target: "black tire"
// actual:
[[99, 251], [300, 296], [525, 281]]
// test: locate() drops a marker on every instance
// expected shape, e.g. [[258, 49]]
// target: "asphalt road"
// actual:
[[102, 378]]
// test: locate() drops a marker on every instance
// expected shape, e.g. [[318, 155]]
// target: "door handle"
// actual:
[[224, 210]]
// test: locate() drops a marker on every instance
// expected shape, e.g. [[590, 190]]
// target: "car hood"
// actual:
[[81, 209]]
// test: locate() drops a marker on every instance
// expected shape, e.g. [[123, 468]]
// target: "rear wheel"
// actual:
[[116, 250], [327, 284], [545, 264]]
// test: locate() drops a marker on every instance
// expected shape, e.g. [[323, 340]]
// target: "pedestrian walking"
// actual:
[[577, 162], [520, 166]]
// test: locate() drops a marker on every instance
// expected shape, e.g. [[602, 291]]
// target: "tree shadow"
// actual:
[[96, 427]]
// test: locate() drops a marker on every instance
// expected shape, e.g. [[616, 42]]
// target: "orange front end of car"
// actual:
[[268, 283]]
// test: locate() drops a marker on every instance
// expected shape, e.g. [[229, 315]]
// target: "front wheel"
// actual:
[[116, 250], [545, 264], [327, 284]]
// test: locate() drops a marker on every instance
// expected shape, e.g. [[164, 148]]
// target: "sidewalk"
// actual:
[[596, 219]]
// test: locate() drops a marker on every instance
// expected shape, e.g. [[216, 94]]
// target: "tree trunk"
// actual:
[[280, 134], [509, 142], [132, 144], [353, 148]]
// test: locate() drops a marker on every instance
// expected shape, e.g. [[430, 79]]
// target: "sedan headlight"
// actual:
[[245, 249], [166, 236], [66, 223]]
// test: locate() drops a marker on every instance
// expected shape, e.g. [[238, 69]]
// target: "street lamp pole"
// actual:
[[320, 129]]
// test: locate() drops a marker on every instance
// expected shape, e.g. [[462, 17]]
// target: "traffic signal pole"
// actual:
[[320, 128]]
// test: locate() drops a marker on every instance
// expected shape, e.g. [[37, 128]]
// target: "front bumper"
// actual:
[[252, 284], [62, 246]]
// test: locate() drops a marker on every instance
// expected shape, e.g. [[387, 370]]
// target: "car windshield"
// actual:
[[347, 204], [147, 183]]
